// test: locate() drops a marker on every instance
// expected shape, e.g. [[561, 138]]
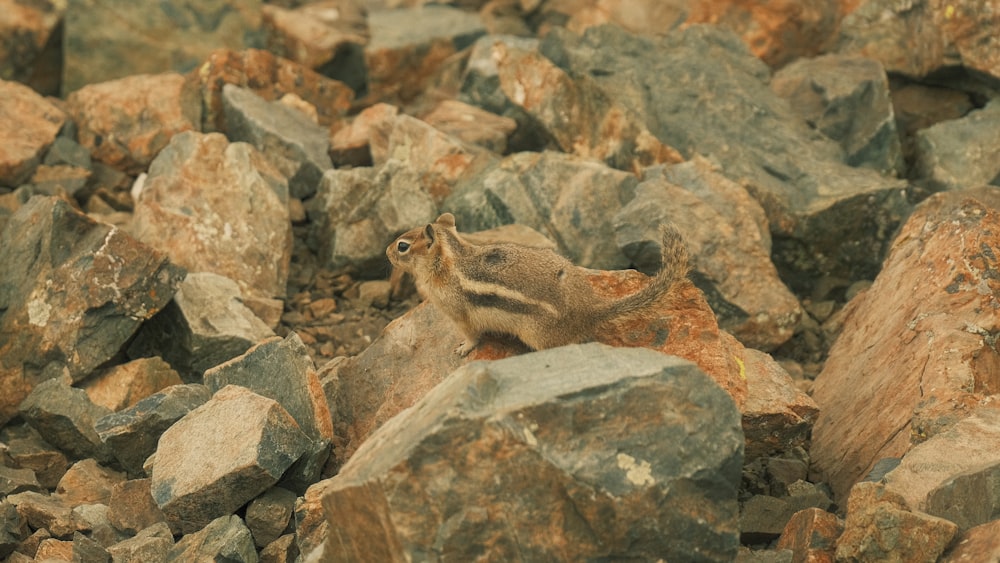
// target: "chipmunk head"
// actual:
[[424, 247]]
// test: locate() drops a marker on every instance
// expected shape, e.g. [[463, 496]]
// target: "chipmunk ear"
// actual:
[[429, 233], [446, 219]]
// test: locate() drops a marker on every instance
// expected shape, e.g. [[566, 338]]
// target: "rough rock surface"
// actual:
[[913, 353], [28, 125], [64, 416], [125, 385], [221, 455], [981, 543], [215, 206], [125, 123], [102, 282], [558, 453], [225, 538], [961, 153]]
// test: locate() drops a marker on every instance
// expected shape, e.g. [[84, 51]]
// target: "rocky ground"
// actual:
[[203, 355]]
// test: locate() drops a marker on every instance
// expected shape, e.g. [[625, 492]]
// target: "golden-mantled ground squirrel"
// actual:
[[531, 293]]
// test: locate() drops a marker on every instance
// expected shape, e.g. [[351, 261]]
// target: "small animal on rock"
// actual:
[[531, 293]]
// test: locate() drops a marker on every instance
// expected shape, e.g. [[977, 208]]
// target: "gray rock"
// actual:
[[762, 518], [67, 151], [131, 434], [588, 451], [206, 324], [109, 40], [567, 198], [726, 232], [25, 448], [150, 545], [72, 292], [269, 514], [701, 92], [293, 143], [14, 480], [93, 520], [89, 550], [216, 206], [281, 369], [13, 528], [224, 539], [64, 416], [846, 97], [961, 153], [221, 455]]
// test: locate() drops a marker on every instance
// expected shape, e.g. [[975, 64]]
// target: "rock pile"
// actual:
[[202, 355]]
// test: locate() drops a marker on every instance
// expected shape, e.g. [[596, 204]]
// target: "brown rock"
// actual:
[[60, 179], [73, 293], [281, 550], [269, 514], [351, 143], [311, 525], [269, 77], [28, 125], [86, 482], [216, 206], [777, 416], [471, 124], [150, 545], [125, 385], [950, 474], [577, 114], [573, 445], [879, 527], [981, 543], [54, 550], [25, 448], [811, 535], [917, 340], [315, 33], [409, 46], [126, 122], [131, 507], [49, 512], [29, 45]]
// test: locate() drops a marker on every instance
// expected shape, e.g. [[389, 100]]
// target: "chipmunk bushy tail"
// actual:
[[673, 270]]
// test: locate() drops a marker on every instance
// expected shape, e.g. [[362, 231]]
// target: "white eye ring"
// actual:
[[402, 247]]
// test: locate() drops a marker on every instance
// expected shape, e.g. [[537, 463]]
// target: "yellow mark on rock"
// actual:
[[949, 11], [638, 472], [743, 367]]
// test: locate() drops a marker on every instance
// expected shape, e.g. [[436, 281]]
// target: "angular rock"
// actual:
[[879, 527], [92, 519], [66, 151], [131, 508], [14, 481], [319, 34], [205, 325], [281, 369], [911, 356], [221, 455], [580, 117], [131, 435], [846, 97], [58, 180], [28, 126], [350, 143], [150, 545], [954, 474], [225, 538], [271, 78], [811, 535], [126, 122], [726, 232], [72, 292], [269, 514], [215, 206], [87, 549], [53, 549], [86, 482], [407, 46], [923, 37], [65, 417], [281, 550], [43, 511], [357, 212], [13, 529], [471, 125], [125, 385], [293, 143], [29, 44], [777, 416], [311, 525], [552, 193], [981, 543], [701, 92], [25, 448], [762, 518], [107, 40], [522, 436], [961, 153]]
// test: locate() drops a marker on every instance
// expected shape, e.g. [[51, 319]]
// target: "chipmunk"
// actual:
[[531, 293]]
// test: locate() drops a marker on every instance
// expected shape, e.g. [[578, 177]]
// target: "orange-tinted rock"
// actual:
[[28, 45], [269, 77], [777, 416], [28, 125], [131, 507], [126, 122], [125, 385], [471, 124], [917, 340], [86, 482], [313, 34], [981, 543], [351, 142], [811, 535]]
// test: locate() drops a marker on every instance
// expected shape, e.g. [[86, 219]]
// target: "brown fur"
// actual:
[[531, 293]]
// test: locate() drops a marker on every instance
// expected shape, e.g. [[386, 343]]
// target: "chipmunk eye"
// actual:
[[402, 246]]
